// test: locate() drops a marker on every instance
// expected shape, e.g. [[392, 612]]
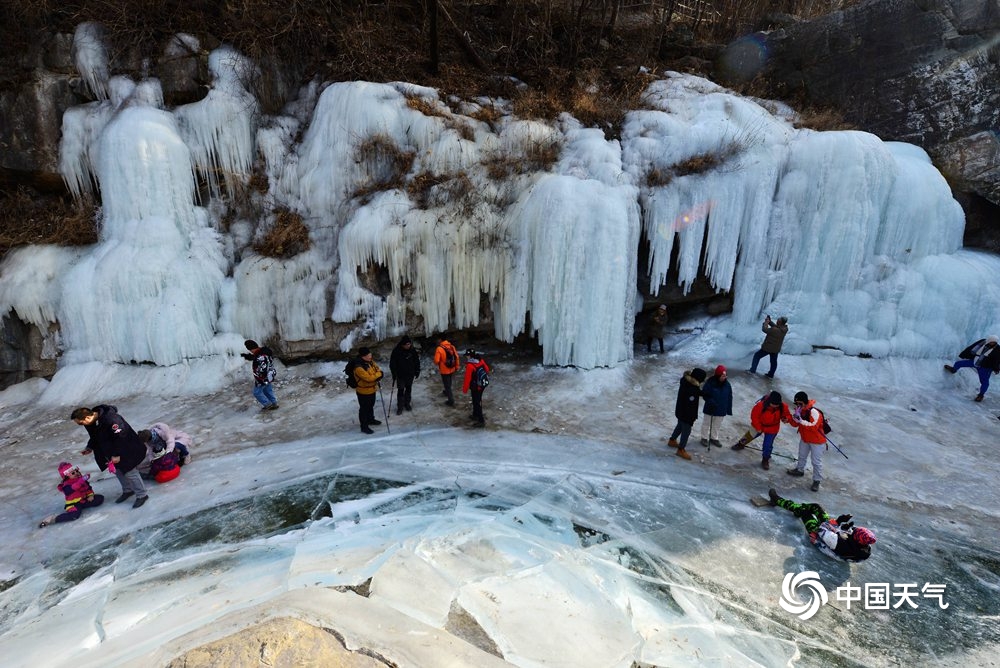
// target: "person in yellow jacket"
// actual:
[[368, 375]]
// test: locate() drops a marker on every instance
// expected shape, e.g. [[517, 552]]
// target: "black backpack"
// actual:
[[826, 423], [352, 380]]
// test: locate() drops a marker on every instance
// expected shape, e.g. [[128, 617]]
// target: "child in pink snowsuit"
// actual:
[[78, 492]]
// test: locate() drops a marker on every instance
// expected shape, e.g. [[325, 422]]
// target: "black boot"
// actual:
[[772, 494]]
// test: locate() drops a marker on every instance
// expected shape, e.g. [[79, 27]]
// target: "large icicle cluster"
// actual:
[[845, 234], [530, 244]]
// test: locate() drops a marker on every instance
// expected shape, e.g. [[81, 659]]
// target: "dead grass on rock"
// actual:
[[27, 218], [287, 237]]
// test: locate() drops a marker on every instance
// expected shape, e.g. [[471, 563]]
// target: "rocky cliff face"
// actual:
[[919, 71]]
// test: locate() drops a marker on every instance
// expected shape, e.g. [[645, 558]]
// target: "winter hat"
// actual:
[[863, 536], [992, 338], [699, 375], [662, 307], [403, 341], [364, 351], [719, 370], [801, 396], [63, 467], [471, 352], [774, 399]]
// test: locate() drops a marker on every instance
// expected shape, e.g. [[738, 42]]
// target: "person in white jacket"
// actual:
[[163, 438]]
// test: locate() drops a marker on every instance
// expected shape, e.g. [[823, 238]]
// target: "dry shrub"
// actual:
[[537, 104], [428, 108], [27, 218], [817, 118], [537, 156], [488, 114], [389, 163], [424, 106], [287, 237], [428, 190], [697, 164], [657, 178]]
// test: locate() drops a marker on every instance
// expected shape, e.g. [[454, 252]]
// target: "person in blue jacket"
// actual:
[[718, 395]]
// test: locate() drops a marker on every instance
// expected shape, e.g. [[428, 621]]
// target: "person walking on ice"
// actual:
[[477, 378], [984, 357], [836, 538], [766, 417], [116, 447], [812, 439], [686, 410], [718, 395]]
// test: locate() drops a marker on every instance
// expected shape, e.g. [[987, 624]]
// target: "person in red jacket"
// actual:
[[476, 380], [765, 418], [809, 421]]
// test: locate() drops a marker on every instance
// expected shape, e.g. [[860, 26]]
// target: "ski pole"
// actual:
[[835, 445], [773, 454], [385, 413]]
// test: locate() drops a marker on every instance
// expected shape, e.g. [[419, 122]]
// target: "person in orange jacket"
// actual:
[[446, 359], [766, 417], [476, 381], [809, 421]]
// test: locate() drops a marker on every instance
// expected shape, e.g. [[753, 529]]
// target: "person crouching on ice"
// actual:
[[78, 492], [836, 538]]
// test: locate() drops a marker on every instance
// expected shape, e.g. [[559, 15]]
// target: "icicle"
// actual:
[[90, 56]]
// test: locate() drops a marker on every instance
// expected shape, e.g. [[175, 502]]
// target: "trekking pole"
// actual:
[[835, 445], [392, 392], [385, 413], [773, 454]]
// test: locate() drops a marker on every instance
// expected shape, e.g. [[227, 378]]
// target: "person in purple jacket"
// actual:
[[116, 447]]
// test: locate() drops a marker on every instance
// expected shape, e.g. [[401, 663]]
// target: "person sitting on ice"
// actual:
[[78, 492], [162, 464], [836, 538], [165, 436], [984, 357]]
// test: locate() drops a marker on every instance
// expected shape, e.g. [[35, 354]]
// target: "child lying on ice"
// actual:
[[78, 492], [837, 538]]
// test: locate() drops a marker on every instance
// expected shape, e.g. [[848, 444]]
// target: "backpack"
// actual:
[[480, 378], [352, 380], [450, 357], [826, 424]]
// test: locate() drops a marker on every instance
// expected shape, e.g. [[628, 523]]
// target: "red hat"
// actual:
[[719, 370], [63, 467]]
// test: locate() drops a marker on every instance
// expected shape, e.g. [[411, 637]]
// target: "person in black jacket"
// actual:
[[984, 357], [404, 365], [686, 409], [718, 395], [116, 447]]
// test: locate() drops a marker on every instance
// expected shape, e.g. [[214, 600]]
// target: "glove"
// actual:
[[247, 356], [843, 519], [847, 526]]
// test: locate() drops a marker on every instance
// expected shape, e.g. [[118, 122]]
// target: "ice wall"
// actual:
[[412, 188], [852, 238], [422, 217]]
